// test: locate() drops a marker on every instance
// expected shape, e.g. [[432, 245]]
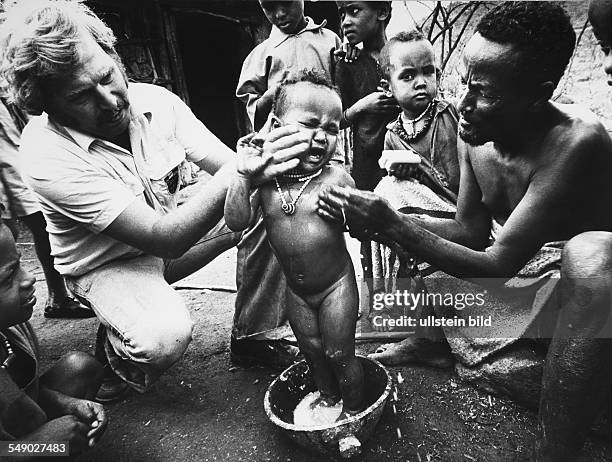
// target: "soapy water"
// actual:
[[313, 411]]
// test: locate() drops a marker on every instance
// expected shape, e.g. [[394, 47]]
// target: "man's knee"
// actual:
[[171, 342], [588, 255]]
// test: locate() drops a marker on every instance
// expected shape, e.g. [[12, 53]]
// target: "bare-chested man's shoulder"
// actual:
[[564, 170], [585, 150]]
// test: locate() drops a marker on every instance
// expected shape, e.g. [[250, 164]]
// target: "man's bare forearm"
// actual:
[[446, 228], [175, 233], [451, 257]]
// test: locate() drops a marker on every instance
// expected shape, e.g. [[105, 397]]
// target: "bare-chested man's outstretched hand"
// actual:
[[367, 215]]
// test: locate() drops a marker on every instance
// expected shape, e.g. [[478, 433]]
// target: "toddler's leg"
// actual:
[[304, 321], [337, 318]]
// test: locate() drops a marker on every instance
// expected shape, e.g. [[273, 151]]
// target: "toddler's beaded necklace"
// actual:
[[289, 207], [10, 354], [413, 135]]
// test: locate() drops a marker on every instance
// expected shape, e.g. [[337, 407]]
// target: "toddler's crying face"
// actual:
[[315, 110]]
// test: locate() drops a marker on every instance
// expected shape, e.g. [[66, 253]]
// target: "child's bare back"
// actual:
[[310, 249]]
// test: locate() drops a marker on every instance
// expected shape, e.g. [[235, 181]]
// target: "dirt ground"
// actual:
[[204, 409]]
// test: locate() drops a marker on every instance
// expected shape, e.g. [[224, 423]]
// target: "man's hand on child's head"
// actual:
[[281, 152]]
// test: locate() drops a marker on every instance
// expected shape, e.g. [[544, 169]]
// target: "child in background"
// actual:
[[322, 291], [295, 43], [367, 109], [56, 406], [426, 126]]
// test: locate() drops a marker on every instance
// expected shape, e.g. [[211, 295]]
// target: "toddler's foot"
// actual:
[[414, 351], [324, 401]]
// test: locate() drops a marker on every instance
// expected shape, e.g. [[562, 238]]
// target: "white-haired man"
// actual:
[[103, 160]]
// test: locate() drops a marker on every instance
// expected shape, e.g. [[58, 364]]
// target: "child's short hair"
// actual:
[[406, 36], [374, 4], [311, 76], [379, 4]]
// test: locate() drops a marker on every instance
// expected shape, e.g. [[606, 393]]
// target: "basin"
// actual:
[[343, 438]]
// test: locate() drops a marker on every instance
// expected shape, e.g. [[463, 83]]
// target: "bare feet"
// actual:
[[324, 401], [414, 351]]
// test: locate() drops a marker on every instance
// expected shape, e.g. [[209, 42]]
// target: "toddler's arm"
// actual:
[[238, 210], [237, 203]]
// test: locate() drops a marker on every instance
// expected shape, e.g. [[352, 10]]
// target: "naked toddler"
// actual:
[[322, 290]]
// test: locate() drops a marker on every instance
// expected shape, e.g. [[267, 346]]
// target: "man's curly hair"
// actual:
[[542, 33], [39, 39], [311, 76]]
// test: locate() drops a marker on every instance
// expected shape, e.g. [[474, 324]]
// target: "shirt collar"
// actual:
[[277, 36], [138, 107]]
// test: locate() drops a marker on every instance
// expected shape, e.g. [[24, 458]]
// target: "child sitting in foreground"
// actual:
[[56, 406], [322, 291]]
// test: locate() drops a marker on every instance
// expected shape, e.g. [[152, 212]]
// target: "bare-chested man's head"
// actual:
[[511, 67]]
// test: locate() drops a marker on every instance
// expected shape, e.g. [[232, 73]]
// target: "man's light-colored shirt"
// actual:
[[266, 65], [84, 183]]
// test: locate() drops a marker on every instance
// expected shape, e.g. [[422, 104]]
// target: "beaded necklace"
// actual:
[[414, 134], [289, 207], [10, 354]]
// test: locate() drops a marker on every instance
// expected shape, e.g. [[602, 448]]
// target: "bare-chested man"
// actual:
[[544, 172]]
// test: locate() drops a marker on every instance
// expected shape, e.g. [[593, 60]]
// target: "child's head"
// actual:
[[600, 16], [312, 103], [288, 16], [408, 65], [362, 21], [16, 285]]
